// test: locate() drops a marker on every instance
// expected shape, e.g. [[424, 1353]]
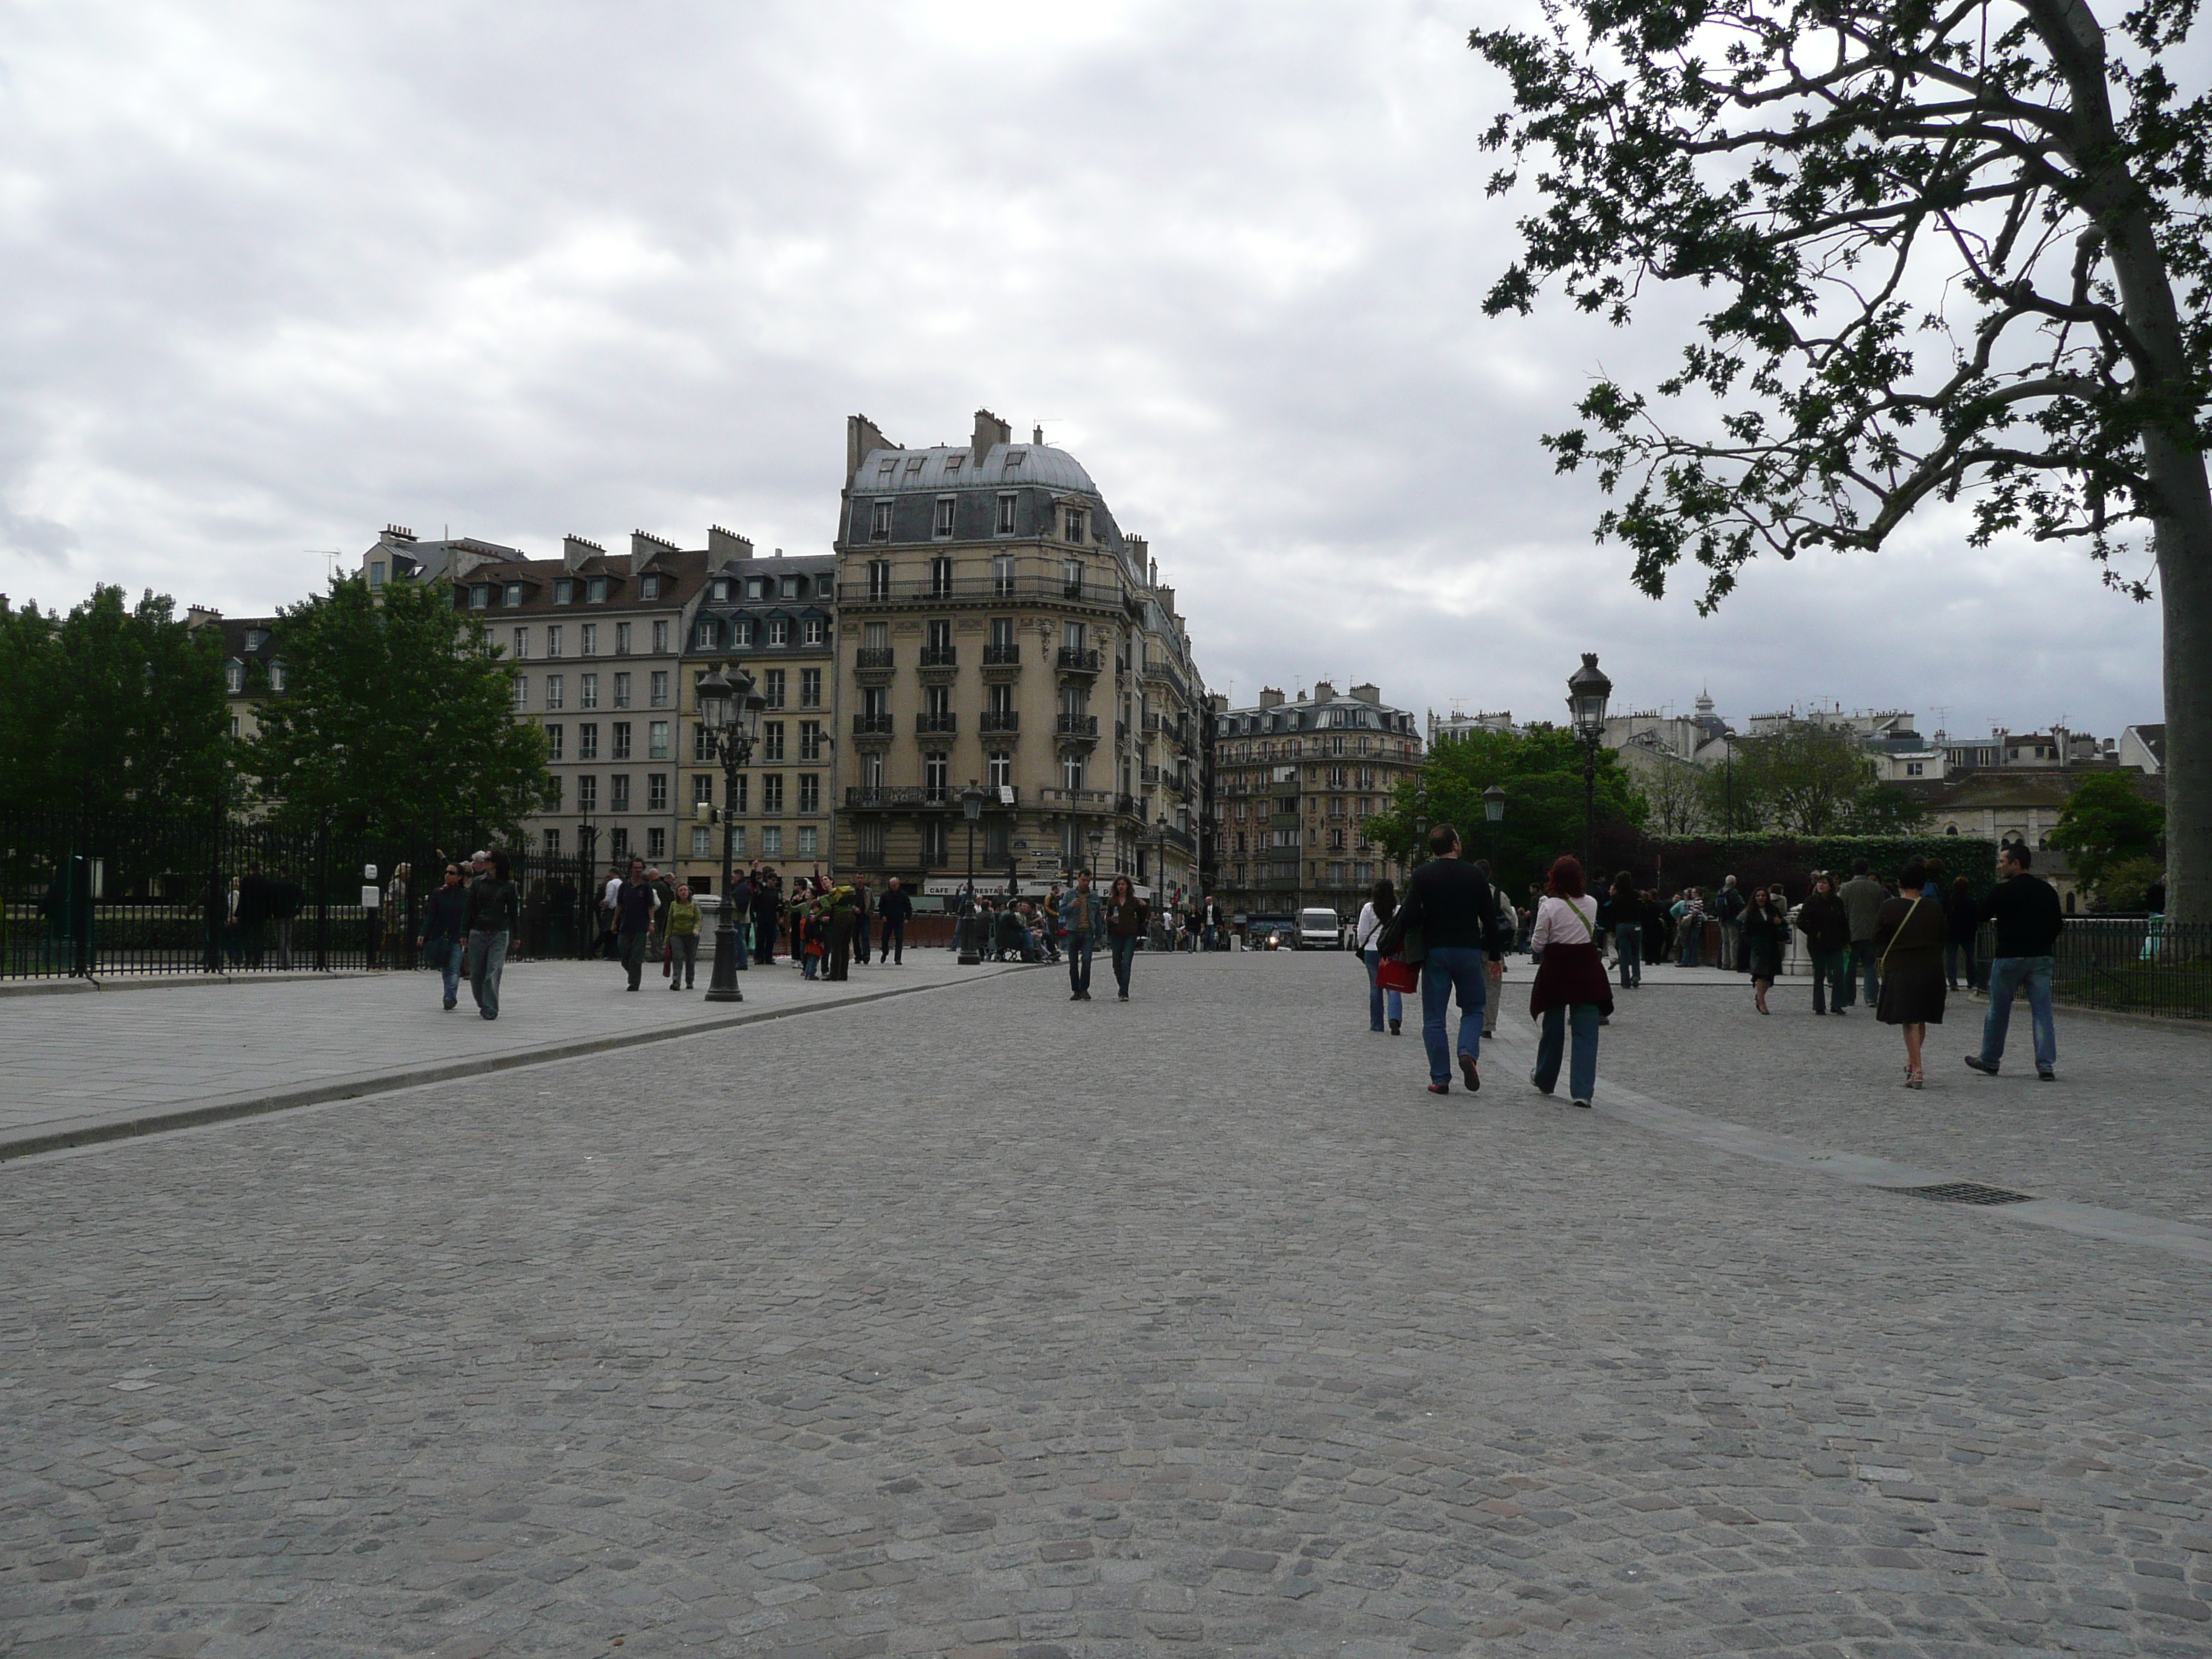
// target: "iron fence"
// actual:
[[2127, 964], [90, 898]]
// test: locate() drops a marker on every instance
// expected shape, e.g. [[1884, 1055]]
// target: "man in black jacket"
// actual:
[[895, 907], [2025, 911], [1457, 914]]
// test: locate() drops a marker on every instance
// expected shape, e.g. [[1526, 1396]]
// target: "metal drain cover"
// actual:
[[1964, 1192]]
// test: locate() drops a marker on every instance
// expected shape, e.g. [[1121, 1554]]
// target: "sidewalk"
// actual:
[[95, 1067]]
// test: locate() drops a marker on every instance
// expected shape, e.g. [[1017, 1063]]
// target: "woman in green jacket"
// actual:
[[682, 941]]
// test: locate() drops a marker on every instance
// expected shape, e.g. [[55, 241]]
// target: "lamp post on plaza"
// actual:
[[1420, 822], [1493, 814], [1587, 691], [1097, 843], [730, 713], [971, 808], [1160, 865]]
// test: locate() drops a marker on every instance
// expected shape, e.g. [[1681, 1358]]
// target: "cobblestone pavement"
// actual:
[[76, 1063], [982, 1324]]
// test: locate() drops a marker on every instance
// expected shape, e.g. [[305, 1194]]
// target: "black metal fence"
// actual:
[[2129, 964], [90, 899]]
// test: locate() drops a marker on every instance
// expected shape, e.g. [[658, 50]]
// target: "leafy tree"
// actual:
[[2022, 189], [397, 718], [1883, 809], [110, 711], [1805, 780], [2104, 824], [1542, 773], [1674, 796]]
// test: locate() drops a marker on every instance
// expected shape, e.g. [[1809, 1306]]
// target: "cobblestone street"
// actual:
[[979, 1322]]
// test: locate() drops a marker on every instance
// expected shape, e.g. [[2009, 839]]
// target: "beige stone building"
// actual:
[[1000, 629]]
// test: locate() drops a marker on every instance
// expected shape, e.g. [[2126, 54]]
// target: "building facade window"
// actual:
[[1005, 523], [703, 841], [587, 787], [812, 631], [564, 590], [587, 741], [810, 688], [772, 841], [621, 740], [656, 791], [521, 688], [513, 594], [879, 578], [1000, 769], [595, 590], [555, 738], [656, 740], [587, 640], [945, 506], [551, 841], [702, 789], [772, 740], [772, 688], [656, 842], [937, 776], [519, 641], [936, 845], [622, 690], [810, 792], [658, 685], [618, 792], [771, 794], [879, 522], [810, 740], [940, 577], [810, 842], [779, 632]]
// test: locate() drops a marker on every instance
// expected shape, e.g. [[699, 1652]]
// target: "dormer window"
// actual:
[[879, 526], [1007, 515], [233, 677], [913, 464], [945, 509], [825, 586], [1015, 458], [376, 572], [721, 592], [779, 632], [595, 591], [256, 638], [479, 597], [1074, 524], [952, 463], [276, 676], [791, 587], [564, 590], [514, 593], [649, 587], [889, 465], [741, 633]]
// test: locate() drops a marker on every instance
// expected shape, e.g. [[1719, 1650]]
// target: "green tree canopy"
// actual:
[[111, 709], [1952, 253], [1540, 771], [2105, 823], [1805, 779], [397, 718]]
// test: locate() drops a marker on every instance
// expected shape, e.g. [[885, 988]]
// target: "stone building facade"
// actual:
[[1295, 781], [1000, 629]]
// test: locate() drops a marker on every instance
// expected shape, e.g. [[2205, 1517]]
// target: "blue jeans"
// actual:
[[2007, 975], [1375, 993], [1450, 967], [1628, 938], [1125, 953], [1866, 961], [1079, 946], [447, 953], [1691, 930], [487, 957], [1581, 1070], [1832, 970]]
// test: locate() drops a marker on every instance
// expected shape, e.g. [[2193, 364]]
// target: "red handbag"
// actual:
[[1397, 973]]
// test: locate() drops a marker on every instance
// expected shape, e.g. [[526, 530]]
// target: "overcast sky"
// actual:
[[278, 273]]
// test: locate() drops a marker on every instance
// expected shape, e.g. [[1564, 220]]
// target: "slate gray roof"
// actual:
[[955, 467]]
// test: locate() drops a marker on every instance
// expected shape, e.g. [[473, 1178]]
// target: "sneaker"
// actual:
[[1466, 1070], [1975, 1062], [1440, 1088], [452, 1003], [2046, 1077], [1537, 1086], [1584, 1104]]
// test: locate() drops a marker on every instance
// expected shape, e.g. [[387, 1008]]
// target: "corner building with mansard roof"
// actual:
[[998, 627]]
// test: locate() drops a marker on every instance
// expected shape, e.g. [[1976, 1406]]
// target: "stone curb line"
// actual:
[[378, 1082], [1626, 1105], [51, 987]]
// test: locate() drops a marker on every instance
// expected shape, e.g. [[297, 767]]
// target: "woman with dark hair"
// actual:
[[1382, 904], [1572, 990], [1628, 930], [1765, 935], [1128, 917], [1908, 935], [494, 916]]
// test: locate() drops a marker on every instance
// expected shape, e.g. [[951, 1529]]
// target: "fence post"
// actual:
[[323, 896]]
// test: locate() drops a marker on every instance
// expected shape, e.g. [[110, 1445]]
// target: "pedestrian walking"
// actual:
[[1826, 927], [1728, 909], [493, 915], [285, 898], [683, 940], [215, 920], [1964, 918], [1863, 897], [1764, 929], [860, 912], [1689, 913], [1628, 930], [1374, 916], [838, 933], [233, 927], [1449, 900], [1082, 924], [1493, 966], [1908, 937], [895, 908], [610, 902], [1128, 919], [635, 905], [1571, 994], [444, 940], [768, 915], [2025, 912]]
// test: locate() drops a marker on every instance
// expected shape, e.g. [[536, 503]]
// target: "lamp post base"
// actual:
[[970, 956], [722, 984]]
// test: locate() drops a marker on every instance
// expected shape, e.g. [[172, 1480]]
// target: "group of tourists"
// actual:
[[469, 921], [1118, 918], [821, 928], [1908, 942]]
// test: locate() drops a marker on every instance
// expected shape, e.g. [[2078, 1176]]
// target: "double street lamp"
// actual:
[[730, 713], [1587, 691], [971, 808]]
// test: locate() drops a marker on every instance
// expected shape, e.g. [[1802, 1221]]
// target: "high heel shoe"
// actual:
[[1913, 1079]]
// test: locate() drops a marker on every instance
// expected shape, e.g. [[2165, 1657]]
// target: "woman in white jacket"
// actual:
[[1374, 916]]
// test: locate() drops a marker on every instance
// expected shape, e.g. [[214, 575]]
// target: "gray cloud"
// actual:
[[276, 274]]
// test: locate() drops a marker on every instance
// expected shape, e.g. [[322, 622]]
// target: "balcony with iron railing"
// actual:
[[1078, 728], [942, 724], [873, 658], [1002, 656], [907, 798], [1077, 800], [940, 656], [872, 725], [1000, 722], [1152, 776], [1073, 659], [978, 590]]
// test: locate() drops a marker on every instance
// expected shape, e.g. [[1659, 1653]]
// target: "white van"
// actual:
[[1319, 930]]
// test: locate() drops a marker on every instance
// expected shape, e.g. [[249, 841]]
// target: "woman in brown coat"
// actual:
[[1909, 936]]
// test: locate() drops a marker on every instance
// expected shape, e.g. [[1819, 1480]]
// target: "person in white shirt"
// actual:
[[1572, 988], [1373, 916]]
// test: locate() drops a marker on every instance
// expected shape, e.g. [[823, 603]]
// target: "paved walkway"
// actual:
[[1015, 1327], [94, 1064]]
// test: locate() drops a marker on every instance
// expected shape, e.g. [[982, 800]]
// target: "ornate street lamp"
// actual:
[[1587, 691], [1420, 822], [971, 808], [730, 711]]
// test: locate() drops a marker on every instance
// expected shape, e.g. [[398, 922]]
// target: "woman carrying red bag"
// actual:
[[1571, 993]]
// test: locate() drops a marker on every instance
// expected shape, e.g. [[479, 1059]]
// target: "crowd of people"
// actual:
[[1907, 941]]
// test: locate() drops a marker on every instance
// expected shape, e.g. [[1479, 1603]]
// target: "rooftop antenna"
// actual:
[[329, 556]]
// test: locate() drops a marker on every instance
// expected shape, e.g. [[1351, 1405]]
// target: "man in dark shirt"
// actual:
[[2025, 911], [1457, 914], [895, 907], [635, 903]]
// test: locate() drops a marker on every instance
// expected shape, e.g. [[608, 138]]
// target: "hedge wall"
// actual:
[[1759, 860]]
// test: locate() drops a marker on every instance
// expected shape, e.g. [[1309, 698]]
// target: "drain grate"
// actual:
[[1964, 1192]]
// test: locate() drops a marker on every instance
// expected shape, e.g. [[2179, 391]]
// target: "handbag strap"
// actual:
[[1579, 916], [1882, 967]]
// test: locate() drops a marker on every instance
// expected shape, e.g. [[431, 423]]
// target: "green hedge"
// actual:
[[1761, 861]]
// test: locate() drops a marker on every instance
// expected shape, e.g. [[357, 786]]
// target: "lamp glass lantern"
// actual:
[[1493, 803], [1587, 691]]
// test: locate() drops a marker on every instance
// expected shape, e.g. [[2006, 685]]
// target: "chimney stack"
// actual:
[[861, 436], [575, 551], [989, 430], [724, 545], [645, 547], [1323, 691], [1368, 693], [1270, 697]]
